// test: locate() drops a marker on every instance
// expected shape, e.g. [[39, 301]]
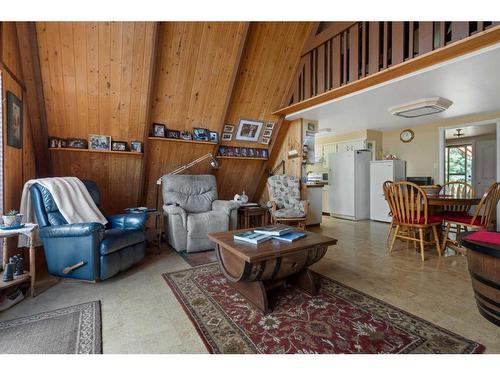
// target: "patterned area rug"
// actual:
[[339, 320], [70, 330], [198, 258]]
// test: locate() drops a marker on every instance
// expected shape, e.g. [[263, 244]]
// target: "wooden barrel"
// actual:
[[484, 267], [236, 269]]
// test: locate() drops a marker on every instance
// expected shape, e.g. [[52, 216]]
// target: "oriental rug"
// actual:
[[338, 320]]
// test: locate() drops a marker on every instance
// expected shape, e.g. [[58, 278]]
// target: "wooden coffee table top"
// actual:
[[269, 249]]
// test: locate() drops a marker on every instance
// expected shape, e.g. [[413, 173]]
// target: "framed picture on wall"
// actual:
[[159, 130], [227, 136], [214, 137], [14, 121], [265, 140], [119, 146], [249, 130], [269, 126], [175, 134], [186, 135], [99, 142], [200, 134], [136, 146], [267, 133], [228, 128]]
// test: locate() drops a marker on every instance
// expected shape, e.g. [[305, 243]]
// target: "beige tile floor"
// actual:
[[141, 315]]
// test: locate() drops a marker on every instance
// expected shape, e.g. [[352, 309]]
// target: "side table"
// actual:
[[157, 216], [247, 216], [28, 230]]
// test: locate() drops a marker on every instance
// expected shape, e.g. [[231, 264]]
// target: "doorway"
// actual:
[[471, 153]]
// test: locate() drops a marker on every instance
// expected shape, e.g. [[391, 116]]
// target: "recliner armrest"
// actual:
[[128, 221], [71, 230], [225, 206], [171, 209]]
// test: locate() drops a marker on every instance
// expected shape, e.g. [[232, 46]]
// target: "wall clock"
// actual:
[[407, 135]]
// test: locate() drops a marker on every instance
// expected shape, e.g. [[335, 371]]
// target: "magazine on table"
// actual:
[[251, 237], [290, 236], [274, 230]]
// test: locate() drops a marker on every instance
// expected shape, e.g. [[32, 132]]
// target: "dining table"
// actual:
[[437, 202]]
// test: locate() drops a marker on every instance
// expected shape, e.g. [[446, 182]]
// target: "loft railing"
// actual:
[[365, 48]]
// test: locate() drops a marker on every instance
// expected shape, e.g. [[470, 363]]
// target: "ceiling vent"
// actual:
[[421, 107]]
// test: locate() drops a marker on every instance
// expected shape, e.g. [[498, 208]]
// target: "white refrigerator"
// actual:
[[381, 171], [349, 195]]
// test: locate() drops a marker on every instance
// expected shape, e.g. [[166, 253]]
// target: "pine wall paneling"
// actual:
[[96, 80], [268, 66], [195, 68], [18, 164]]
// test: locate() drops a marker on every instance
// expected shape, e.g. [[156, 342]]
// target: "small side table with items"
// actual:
[[151, 212], [249, 215], [13, 271]]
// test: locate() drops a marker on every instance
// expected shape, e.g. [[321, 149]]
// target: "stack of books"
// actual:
[[262, 234]]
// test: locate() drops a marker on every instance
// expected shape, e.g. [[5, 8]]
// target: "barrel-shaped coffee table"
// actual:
[[255, 269]]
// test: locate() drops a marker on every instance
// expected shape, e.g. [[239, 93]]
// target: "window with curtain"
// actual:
[[458, 162]]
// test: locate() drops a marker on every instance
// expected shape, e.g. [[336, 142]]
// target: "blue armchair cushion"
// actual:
[[117, 238], [128, 221]]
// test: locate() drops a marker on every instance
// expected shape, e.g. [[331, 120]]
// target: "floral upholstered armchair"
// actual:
[[284, 195]]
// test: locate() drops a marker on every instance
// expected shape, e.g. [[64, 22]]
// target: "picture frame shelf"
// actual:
[[96, 151], [240, 157], [182, 140]]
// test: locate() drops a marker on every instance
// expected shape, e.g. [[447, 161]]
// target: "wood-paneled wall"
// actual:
[[96, 79], [267, 70], [117, 78], [18, 164], [196, 64]]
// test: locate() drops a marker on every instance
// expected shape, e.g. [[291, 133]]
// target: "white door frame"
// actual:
[[442, 143]]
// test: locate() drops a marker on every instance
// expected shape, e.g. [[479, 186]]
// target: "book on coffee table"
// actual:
[[274, 230], [251, 237], [290, 237]]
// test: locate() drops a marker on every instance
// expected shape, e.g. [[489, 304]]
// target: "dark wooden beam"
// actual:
[[30, 62], [142, 192]]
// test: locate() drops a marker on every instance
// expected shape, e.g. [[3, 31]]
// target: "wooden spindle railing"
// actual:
[[365, 48]]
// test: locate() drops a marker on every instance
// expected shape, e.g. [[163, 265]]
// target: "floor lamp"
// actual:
[[213, 162]]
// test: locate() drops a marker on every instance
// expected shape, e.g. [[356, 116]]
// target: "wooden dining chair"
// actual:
[[385, 187], [457, 189], [484, 216], [408, 204]]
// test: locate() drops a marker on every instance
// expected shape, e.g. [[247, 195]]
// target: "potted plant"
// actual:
[[12, 218]]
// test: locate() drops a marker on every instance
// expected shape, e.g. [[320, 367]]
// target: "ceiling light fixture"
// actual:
[[459, 133], [421, 107]]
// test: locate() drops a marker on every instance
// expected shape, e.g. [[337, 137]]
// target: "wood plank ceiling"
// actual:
[[117, 78]]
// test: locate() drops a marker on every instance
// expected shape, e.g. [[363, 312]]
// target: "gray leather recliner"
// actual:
[[192, 210]]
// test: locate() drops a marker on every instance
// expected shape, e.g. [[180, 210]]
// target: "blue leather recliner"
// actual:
[[87, 251]]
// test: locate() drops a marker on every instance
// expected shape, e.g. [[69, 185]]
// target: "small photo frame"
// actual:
[[237, 151], [76, 143], [214, 137], [118, 146], [267, 132], [200, 134], [229, 151], [159, 130], [222, 151], [53, 142], [14, 121], [136, 146], [186, 135], [251, 152], [264, 153], [312, 127], [227, 136], [99, 142], [269, 126], [174, 134], [228, 128], [265, 140], [249, 130]]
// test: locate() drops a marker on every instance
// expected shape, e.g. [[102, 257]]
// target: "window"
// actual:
[[458, 162]]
